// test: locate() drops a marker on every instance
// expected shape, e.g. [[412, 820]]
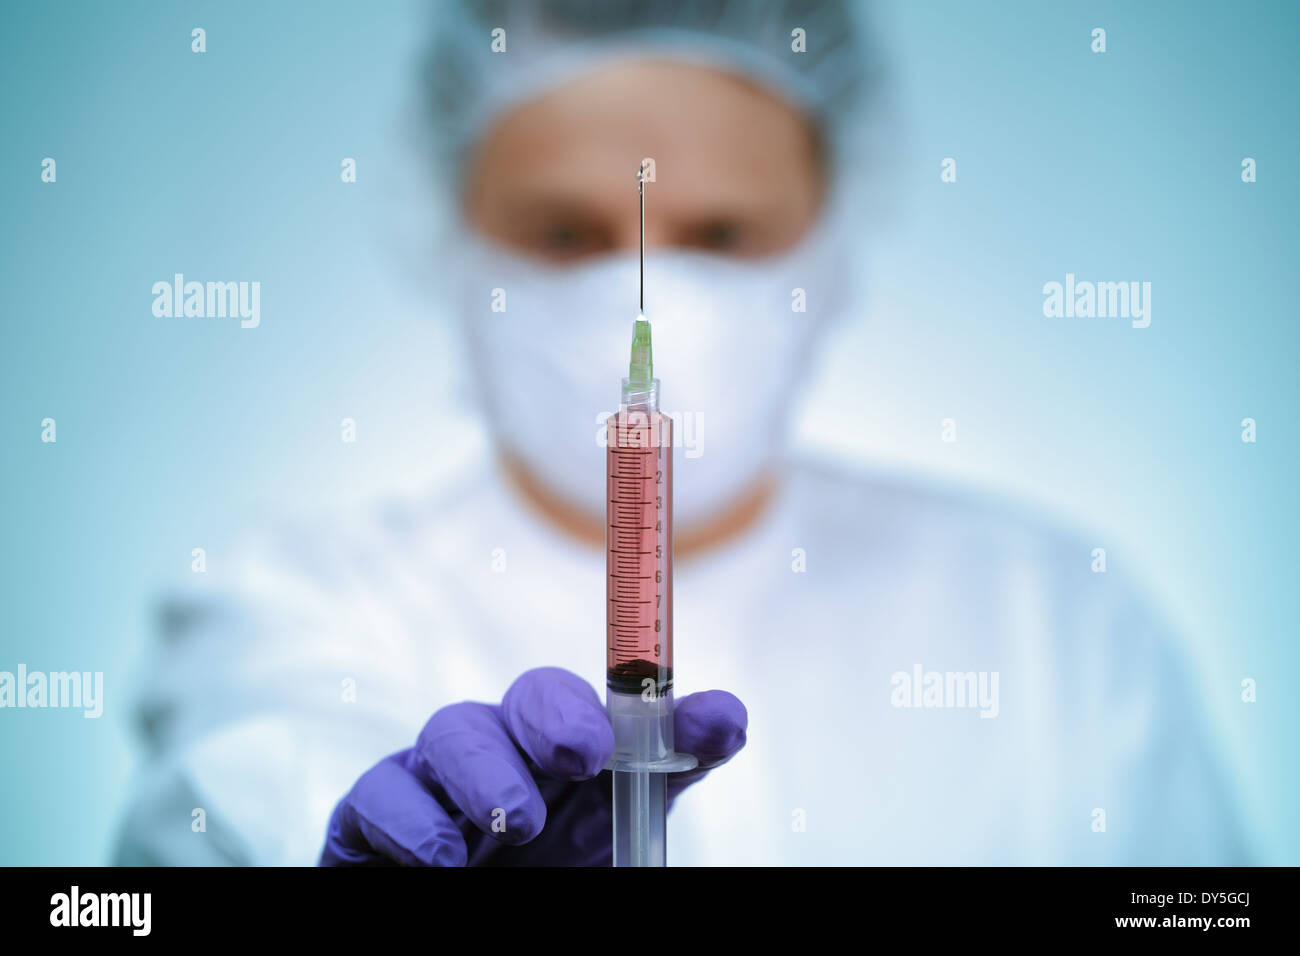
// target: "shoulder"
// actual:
[[877, 511], [309, 563], [330, 546], [1003, 567]]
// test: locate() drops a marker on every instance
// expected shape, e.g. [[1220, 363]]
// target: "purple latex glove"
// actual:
[[537, 756]]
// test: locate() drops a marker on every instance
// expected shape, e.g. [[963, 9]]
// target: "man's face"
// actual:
[[738, 171]]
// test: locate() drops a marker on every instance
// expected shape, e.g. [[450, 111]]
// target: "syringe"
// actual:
[[639, 602]]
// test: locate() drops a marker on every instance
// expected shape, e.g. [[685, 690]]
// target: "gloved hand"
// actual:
[[537, 756]]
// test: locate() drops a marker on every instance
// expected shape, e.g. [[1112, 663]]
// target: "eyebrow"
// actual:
[[553, 202]]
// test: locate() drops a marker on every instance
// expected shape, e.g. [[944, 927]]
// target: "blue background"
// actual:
[[225, 166]]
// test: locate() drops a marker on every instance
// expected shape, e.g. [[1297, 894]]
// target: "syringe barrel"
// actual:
[[639, 544], [639, 577]]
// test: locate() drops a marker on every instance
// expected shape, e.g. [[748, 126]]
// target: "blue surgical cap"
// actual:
[[811, 53]]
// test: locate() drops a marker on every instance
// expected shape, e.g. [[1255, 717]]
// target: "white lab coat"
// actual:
[[249, 717]]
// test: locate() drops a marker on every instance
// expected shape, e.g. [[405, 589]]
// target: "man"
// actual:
[[925, 678]]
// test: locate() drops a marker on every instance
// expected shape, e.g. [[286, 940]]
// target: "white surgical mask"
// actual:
[[729, 348]]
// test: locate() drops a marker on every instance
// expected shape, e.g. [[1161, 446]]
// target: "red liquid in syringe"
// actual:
[[639, 551]]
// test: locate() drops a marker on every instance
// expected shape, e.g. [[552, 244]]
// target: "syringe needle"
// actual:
[[641, 366], [640, 188]]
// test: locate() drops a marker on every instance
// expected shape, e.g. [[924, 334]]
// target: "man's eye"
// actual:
[[565, 237], [722, 236], [563, 240]]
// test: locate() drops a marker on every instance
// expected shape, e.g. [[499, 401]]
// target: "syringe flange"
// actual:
[[643, 735]]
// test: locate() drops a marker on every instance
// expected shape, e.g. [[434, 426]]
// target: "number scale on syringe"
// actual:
[[639, 550]]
